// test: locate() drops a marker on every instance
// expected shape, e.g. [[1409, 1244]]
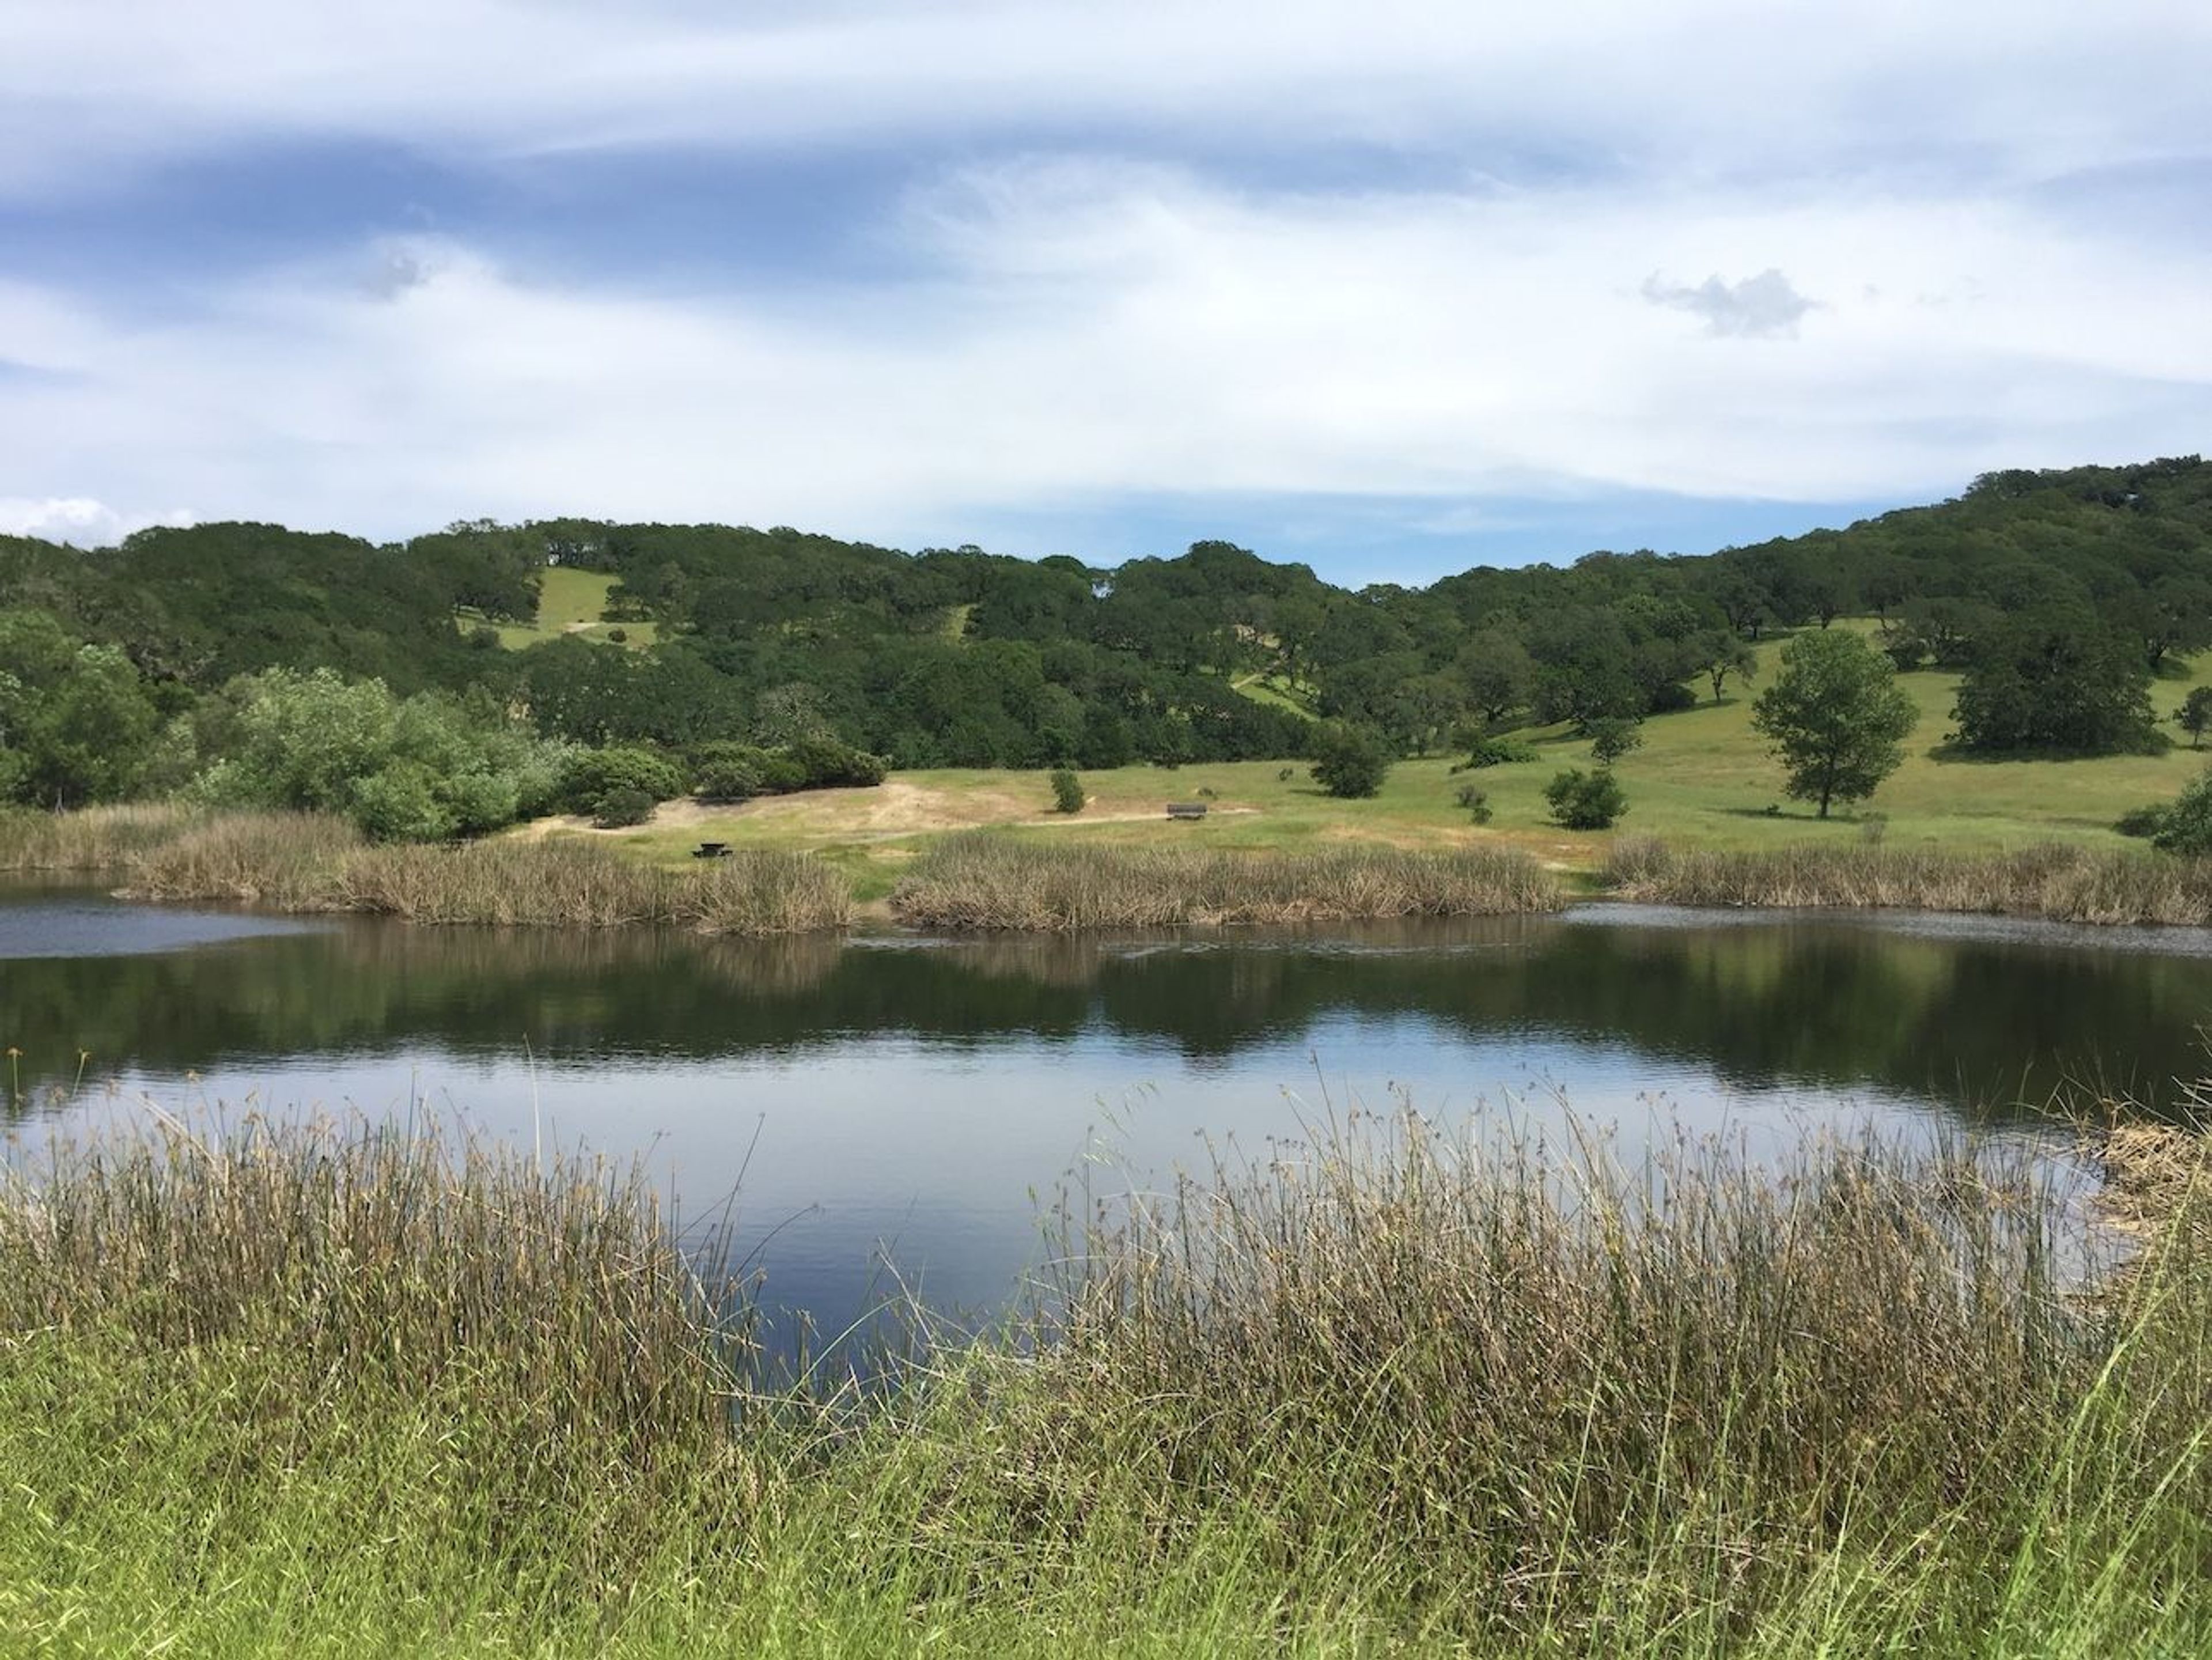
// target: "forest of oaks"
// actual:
[[155, 664]]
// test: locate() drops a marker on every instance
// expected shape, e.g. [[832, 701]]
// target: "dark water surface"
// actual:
[[903, 1098]]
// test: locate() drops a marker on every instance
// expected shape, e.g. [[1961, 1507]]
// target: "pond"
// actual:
[[891, 1109]]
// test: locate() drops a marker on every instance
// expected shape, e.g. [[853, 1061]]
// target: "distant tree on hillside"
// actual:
[[1835, 716], [2057, 680]]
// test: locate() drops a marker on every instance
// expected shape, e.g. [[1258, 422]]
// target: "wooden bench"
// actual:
[[711, 850], [1186, 809]]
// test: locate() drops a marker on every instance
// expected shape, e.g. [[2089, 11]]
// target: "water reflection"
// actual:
[[904, 1098]]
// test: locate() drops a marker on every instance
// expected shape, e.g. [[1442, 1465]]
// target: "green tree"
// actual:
[[1350, 762], [2056, 680], [1835, 716], [1721, 654], [1586, 800], [2186, 826], [1066, 790], [1612, 737], [76, 721], [2194, 715]]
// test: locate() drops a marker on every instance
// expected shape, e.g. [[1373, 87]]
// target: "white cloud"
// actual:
[[78, 520], [1765, 304], [1089, 330], [1068, 323], [1727, 86]]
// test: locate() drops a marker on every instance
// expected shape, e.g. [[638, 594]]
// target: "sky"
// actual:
[[1393, 289]]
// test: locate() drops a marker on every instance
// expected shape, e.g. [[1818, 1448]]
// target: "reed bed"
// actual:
[[1403, 1388], [304, 862], [2050, 881], [982, 881], [90, 838]]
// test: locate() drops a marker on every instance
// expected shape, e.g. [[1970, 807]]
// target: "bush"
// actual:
[[1066, 791], [589, 776], [622, 806], [1476, 801], [1613, 736], [830, 763], [2140, 821], [1350, 762], [1501, 752], [400, 803], [2186, 826], [1585, 800], [727, 772]]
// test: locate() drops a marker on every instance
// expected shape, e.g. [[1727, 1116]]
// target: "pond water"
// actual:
[[891, 1099]]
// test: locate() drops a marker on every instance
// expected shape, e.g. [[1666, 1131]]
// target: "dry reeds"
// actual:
[[2050, 881], [89, 838], [307, 863], [1518, 1365], [983, 881]]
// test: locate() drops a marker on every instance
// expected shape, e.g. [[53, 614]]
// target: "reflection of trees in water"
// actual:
[[1820, 1002]]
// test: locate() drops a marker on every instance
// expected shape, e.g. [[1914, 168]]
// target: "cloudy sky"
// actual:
[[1394, 288]]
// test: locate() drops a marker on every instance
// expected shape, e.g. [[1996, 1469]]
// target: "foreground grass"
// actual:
[[986, 881], [330, 1389]]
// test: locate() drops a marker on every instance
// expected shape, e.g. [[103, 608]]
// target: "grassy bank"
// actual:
[[309, 863], [2050, 881], [297, 1390], [986, 881]]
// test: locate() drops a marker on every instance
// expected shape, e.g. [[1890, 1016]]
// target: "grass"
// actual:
[[571, 601], [90, 838], [2052, 880], [306, 862], [1702, 779], [295, 1390], [988, 881]]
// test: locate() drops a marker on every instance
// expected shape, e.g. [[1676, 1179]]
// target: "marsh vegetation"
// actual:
[[1402, 1385]]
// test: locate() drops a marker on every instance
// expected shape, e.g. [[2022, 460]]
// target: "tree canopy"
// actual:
[[1835, 716]]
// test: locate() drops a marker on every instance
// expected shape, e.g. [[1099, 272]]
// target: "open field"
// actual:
[[271, 1390], [1703, 779], [569, 602]]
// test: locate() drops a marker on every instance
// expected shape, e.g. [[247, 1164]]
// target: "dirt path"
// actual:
[[893, 809]]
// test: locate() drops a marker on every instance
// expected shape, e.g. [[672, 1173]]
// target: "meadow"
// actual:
[[1702, 779]]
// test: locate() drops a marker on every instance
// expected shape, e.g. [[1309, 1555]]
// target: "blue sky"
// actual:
[[1391, 289]]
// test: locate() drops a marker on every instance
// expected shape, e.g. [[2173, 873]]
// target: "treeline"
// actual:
[[2058, 594]]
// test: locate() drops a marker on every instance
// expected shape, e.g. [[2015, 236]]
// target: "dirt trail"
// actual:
[[890, 810]]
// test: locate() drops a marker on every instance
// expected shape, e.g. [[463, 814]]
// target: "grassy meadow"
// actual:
[[338, 1388], [570, 601], [1703, 779]]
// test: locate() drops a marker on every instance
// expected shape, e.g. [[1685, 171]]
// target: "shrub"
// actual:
[[824, 763], [2140, 821], [1476, 801], [1066, 791], [727, 772], [400, 803], [589, 776], [623, 806], [619, 636], [2186, 826], [1585, 800], [1350, 762], [1613, 736], [1501, 752]]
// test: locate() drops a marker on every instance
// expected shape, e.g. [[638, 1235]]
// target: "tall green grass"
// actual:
[[986, 881], [2052, 880], [306, 1389]]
